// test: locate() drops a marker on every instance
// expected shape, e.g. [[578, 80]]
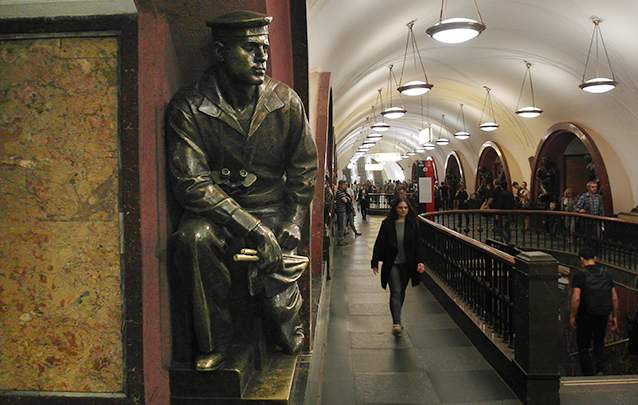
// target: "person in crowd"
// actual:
[[437, 196], [399, 247], [445, 196], [552, 222], [523, 195], [590, 202], [350, 210], [568, 204], [460, 198], [363, 202], [515, 189], [594, 305], [501, 199], [474, 203], [341, 202], [400, 192]]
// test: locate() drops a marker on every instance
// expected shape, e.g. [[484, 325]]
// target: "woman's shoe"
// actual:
[[397, 329]]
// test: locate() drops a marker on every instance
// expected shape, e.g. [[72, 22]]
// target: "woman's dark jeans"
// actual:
[[398, 283]]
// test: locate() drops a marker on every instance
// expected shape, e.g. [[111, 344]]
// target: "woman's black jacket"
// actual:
[[385, 249]]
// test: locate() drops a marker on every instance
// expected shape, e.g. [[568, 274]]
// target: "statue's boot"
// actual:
[[283, 313], [209, 361]]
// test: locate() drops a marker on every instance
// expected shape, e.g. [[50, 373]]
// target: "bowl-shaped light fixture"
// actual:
[[442, 141], [419, 150], [380, 126], [598, 85], [462, 135], [455, 30], [415, 88], [394, 112], [529, 112], [488, 126], [429, 146], [411, 153]]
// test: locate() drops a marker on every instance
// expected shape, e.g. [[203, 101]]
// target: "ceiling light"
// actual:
[[442, 140], [456, 30], [463, 133], [392, 112], [488, 126], [415, 87], [411, 153], [429, 146], [598, 84], [369, 142], [386, 157], [530, 111], [374, 136], [378, 126], [374, 167], [404, 156]]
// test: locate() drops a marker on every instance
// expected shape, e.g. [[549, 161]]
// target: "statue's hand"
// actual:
[[267, 248], [289, 236]]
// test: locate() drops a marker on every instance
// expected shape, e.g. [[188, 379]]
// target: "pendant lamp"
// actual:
[[456, 30], [598, 83], [442, 140], [463, 133], [530, 111], [392, 112], [488, 126], [415, 87]]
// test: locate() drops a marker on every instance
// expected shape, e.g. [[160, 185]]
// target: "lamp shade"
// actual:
[[394, 112], [442, 141], [455, 30], [429, 146], [488, 126], [598, 85], [529, 112], [380, 126], [462, 135], [415, 88]]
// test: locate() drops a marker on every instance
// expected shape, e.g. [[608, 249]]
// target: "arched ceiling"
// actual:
[[356, 40]]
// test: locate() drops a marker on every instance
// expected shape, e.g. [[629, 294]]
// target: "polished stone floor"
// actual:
[[433, 363]]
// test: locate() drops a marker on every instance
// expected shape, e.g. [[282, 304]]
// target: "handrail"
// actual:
[[533, 212], [614, 239], [489, 250]]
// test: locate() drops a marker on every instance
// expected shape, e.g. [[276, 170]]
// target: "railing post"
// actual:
[[535, 313]]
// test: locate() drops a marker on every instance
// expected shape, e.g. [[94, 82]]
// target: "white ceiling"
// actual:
[[356, 40]]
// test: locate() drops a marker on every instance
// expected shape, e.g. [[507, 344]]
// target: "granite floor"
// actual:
[[433, 363]]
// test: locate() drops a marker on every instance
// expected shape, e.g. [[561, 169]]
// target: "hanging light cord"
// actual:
[[591, 43], [487, 89], [528, 72], [478, 12], [441, 13]]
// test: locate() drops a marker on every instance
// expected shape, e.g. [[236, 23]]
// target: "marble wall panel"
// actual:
[[60, 283]]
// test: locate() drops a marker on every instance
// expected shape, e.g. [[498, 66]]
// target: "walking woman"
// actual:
[[400, 248]]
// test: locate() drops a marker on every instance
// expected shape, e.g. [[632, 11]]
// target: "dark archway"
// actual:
[[454, 174], [572, 152], [491, 165]]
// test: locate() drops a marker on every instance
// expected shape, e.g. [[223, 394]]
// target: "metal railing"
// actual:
[[479, 275], [615, 240]]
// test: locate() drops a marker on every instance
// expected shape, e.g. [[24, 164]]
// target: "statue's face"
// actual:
[[244, 59]]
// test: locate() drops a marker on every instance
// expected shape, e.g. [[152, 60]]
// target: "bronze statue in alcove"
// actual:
[[242, 165]]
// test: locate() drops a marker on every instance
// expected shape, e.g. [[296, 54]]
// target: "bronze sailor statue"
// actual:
[[242, 165]]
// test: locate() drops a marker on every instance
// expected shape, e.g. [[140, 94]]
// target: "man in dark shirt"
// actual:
[[501, 199], [594, 303], [341, 202]]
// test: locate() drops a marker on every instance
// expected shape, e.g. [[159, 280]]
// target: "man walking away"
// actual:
[[594, 303], [341, 201]]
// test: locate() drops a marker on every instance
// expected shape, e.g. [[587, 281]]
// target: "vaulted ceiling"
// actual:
[[356, 40]]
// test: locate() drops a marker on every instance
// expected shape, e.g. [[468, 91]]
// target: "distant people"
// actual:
[[590, 202], [567, 201], [399, 247], [523, 195], [401, 192], [474, 203], [389, 187], [460, 198], [363, 202], [501, 199], [350, 210], [594, 304], [552, 222], [445, 195], [341, 202]]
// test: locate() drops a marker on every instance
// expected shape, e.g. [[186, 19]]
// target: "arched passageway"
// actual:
[[454, 174], [567, 157], [491, 165]]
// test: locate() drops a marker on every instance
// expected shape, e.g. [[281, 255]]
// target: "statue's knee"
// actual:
[[197, 232]]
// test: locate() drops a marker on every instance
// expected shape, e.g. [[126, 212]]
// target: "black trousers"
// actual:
[[588, 329]]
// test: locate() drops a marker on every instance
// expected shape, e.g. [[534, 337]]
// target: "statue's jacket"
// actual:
[[224, 173]]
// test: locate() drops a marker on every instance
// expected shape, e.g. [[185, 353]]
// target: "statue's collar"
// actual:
[[214, 104]]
